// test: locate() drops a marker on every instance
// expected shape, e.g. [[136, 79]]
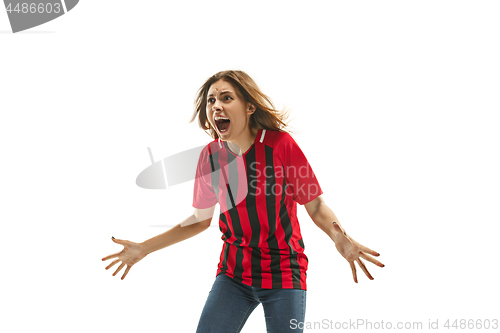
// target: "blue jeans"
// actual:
[[230, 303]]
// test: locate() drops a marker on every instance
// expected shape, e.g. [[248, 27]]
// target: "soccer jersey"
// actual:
[[258, 193]]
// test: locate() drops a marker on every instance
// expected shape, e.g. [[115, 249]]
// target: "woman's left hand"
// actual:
[[353, 251]]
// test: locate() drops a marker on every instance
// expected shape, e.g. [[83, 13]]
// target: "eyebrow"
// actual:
[[222, 93]]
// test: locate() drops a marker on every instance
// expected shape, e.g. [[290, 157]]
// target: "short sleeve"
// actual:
[[203, 193], [300, 178]]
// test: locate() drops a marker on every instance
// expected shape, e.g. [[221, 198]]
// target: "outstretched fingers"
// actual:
[[119, 268], [367, 250], [113, 263], [372, 260], [114, 255], [353, 269], [363, 267], [126, 271]]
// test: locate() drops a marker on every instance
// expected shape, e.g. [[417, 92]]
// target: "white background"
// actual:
[[394, 103]]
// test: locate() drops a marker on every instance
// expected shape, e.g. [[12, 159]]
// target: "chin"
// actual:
[[224, 137]]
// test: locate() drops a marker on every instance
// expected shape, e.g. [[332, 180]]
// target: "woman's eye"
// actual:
[[227, 97], [211, 100]]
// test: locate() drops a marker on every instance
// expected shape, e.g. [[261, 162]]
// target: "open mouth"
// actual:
[[222, 124]]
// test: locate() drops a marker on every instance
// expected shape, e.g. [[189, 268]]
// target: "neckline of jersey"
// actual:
[[257, 137]]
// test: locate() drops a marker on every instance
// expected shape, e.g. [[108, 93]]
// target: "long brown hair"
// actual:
[[265, 116]]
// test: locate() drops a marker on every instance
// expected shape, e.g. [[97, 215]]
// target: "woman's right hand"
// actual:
[[131, 254]]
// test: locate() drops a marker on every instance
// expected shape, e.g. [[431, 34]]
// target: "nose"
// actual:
[[217, 106]]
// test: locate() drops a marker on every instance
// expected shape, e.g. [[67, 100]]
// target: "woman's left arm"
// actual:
[[351, 250]]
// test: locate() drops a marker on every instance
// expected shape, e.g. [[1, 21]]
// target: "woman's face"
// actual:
[[227, 112]]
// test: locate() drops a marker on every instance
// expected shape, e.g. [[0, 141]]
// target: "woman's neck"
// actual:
[[243, 142]]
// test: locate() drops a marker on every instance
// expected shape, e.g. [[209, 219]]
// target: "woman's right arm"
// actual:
[[192, 226], [132, 252]]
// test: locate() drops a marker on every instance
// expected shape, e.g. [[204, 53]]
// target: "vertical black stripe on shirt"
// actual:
[[272, 242], [287, 227], [301, 243], [233, 178], [226, 250], [231, 181], [256, 258], [214, 175]]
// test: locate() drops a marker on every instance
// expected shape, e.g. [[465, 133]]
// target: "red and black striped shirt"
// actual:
[[258, 194]]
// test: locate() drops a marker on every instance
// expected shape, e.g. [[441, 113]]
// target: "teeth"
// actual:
[[218, 118]]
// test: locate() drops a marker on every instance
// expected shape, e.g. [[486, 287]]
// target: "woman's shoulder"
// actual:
[[209, 149], [278, 139]]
